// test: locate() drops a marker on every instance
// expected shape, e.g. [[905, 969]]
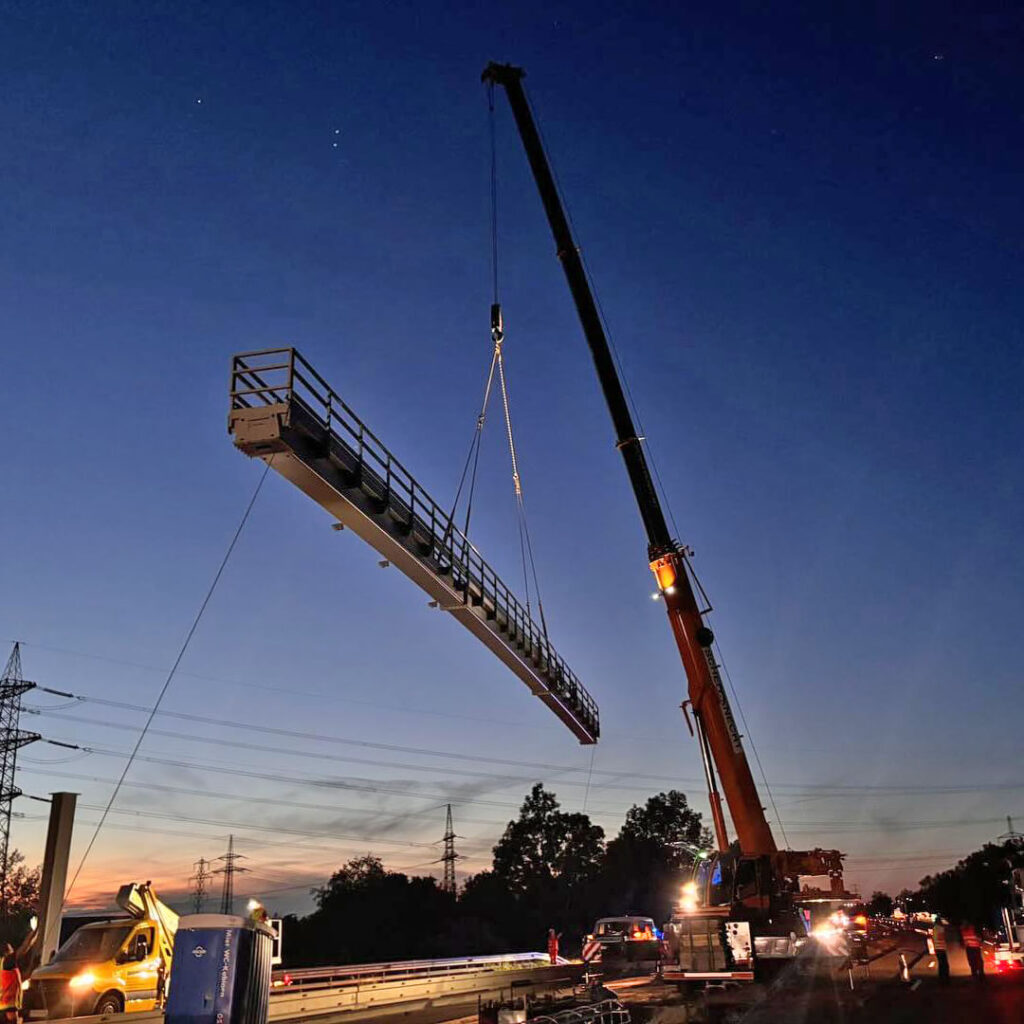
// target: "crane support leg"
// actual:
[[714, 799]]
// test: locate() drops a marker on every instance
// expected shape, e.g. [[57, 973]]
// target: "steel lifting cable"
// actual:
[[473, 455], [471, 464], [498, 334], [498, 363], [153, 711], [525, 544]]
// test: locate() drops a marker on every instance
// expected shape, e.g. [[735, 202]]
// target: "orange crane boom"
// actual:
[[762, 880], [719, 739]]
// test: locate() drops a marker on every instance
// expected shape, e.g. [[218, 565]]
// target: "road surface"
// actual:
[[818, 991]]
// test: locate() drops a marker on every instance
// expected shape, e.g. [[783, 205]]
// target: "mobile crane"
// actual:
[[743, 906]]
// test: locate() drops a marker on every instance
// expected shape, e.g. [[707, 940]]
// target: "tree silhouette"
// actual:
[[650, 858], [881, 904], [549, 860], [550, 870], [21, 897]]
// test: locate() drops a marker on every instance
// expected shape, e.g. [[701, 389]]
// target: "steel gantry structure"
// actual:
[[284, 412]]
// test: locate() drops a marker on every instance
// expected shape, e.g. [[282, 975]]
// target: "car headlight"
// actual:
[[83, 980]]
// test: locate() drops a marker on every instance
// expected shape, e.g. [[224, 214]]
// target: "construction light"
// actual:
[[670, 590], [664, 571], [252, 905], [656, 596]]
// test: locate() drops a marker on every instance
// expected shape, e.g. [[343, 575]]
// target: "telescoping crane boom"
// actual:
[[774, 872]]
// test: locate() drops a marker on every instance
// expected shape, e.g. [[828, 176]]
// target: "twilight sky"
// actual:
[[805, 229]]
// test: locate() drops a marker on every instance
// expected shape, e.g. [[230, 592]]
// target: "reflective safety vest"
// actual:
[[10, 985], [970, 937], [939, 937]]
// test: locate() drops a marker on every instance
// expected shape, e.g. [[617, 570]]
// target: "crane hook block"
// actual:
[[497, 324]]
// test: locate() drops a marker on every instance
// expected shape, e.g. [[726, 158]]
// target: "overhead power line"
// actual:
[[293, 692], [174, 668], [539, 766]]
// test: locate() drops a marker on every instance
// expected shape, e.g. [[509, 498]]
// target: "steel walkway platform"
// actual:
[[282, 411]]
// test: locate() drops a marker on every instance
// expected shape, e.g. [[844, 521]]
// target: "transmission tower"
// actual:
[[450, 856], [201, 881], [12, 686], [1011, 835], [230, 869]]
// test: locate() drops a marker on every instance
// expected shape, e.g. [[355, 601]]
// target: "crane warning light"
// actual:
[[688, 901], [665, 572]]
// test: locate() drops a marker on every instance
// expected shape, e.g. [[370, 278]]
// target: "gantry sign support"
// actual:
[[283, 412]]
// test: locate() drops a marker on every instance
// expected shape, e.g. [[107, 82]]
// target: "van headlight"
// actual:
[[83, 980]]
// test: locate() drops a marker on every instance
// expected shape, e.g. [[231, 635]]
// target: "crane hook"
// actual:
[[497, 324]]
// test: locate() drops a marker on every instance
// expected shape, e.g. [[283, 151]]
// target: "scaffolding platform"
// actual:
[[283, 412]]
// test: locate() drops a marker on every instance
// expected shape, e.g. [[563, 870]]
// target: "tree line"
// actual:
[[551, 869], [974, 891]]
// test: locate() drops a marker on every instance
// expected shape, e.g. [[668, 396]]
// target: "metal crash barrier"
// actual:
[[403, 987]]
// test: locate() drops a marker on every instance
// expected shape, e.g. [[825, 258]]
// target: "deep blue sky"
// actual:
[[805, 228]]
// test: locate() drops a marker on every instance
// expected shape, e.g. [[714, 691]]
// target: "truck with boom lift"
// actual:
[[744, 906], [113, 966]]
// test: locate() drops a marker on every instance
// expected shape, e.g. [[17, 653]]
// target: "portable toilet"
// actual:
[[220, 972]]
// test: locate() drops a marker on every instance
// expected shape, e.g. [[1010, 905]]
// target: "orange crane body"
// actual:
[[775, 872], [717, 733]]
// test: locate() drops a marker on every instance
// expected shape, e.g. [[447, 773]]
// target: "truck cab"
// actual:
[[629, 937], [109, 966]]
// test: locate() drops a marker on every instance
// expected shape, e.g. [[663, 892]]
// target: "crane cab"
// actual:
[[732, 917]]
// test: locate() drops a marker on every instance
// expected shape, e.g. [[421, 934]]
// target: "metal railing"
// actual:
[[404, 970], [283, 377], [608, 1011]]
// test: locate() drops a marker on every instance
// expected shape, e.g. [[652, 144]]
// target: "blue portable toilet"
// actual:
[[220, 972]]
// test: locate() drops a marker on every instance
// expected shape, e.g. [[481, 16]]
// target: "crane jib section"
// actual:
[[283, 412]]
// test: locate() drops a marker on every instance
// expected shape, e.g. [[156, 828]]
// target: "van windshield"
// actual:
[[94, 943], [623, 926]]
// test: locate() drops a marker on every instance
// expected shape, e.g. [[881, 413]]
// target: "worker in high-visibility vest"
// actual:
[[972, 947], [553, 938], [939, 941], [10, 986]]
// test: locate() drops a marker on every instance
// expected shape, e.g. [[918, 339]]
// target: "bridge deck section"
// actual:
[[282, 411]]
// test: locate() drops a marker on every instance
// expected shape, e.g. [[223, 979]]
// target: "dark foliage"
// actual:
[[551, 869], [881, 904], [650, 858], [977, 888], [21, 897]]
